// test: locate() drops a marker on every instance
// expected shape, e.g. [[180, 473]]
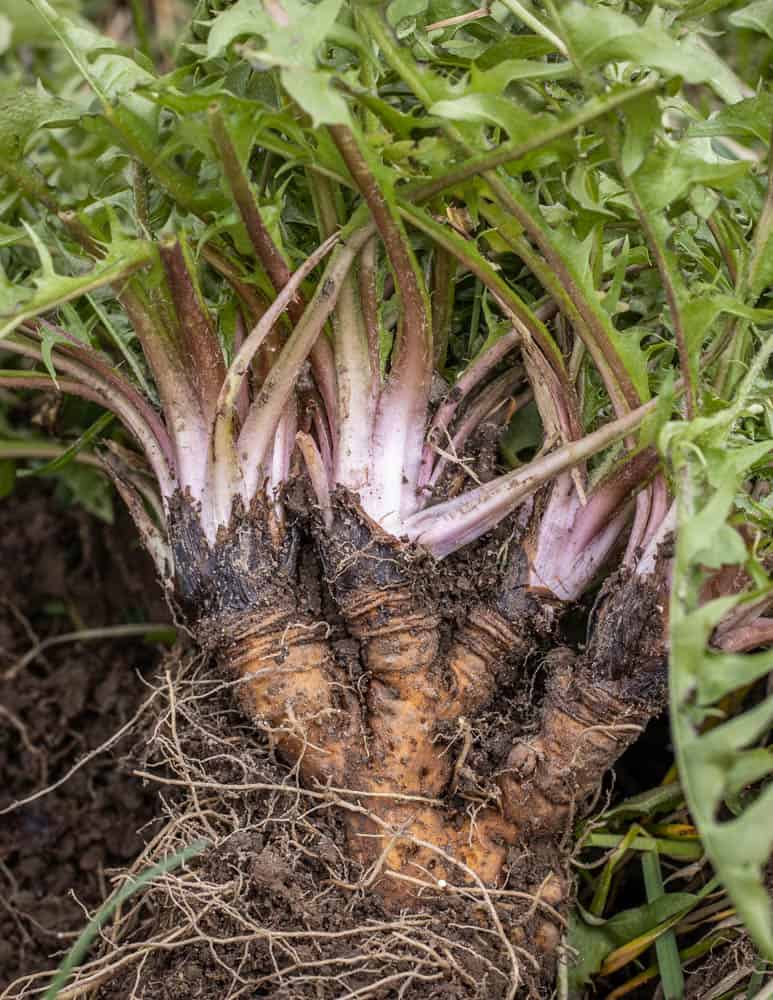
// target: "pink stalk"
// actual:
[[406, 397], [264, 413], [575, 539], [560, 564], [651, 507], [107, 394], [317, 474], [612, 493], [152, 536], [640, 518], [283, 447], [450, 525], [25, 379], [180, 402], [322, 361], [357, 382], [472, 376], [242, 403], [658, 510], [137, 473], [402, 408], [358, 386], [101, 365], [487, 400], [199, 341], [744, 613], [648, 563], [229, 472], [368, 300], [322, 433]]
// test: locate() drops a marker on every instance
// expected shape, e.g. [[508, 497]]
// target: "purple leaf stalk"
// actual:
[[321, 398]]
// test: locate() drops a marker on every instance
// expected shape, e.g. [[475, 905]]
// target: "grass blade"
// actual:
[[666, 947], [79, 950]]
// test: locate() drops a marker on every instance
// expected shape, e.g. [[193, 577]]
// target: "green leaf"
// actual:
[[129, 888], [600, 35], [663, 798], [293, 42], [717, 763], [26, 26], [516, 121], [748, 118], [495, 80], [642, 118], [67, 456], [6, 31], [90, 488], [110, 72], [757, 16], [667, 174], [666, 947], [593, 942], [314, 92], [291, 45], [123, 257], [399, 10]]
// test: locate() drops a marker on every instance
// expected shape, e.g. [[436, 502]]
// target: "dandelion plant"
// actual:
[[402, 289]]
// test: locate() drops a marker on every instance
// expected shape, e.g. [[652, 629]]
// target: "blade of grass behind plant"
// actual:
[[666, 947], [100, 424], [79, 950]]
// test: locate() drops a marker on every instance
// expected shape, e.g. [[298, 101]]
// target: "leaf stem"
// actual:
[[533, 22], [450, 525], [509, 152], [265, 411], [225, 473], [268, 254]]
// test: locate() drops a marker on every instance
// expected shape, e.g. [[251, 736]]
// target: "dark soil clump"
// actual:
[[62, 571]]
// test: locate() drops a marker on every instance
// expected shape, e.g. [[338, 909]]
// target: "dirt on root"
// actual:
[[63, 571], [274, 906]]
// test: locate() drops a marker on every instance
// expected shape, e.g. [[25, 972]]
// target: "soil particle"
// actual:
[[60, 570]]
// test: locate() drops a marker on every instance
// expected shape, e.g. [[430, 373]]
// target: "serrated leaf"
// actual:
[[22, 112], [722, 673], [494, 80], [751, 117], [667, 174], [110, 72], [123, 257], [293, 41], [291, 44], [717, 763], [757, 16], [516, 121], [600, 35]]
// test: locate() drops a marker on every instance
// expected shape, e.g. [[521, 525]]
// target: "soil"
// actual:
[[60, 571]]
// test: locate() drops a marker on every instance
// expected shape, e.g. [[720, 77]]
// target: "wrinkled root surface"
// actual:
[[389, 798]]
